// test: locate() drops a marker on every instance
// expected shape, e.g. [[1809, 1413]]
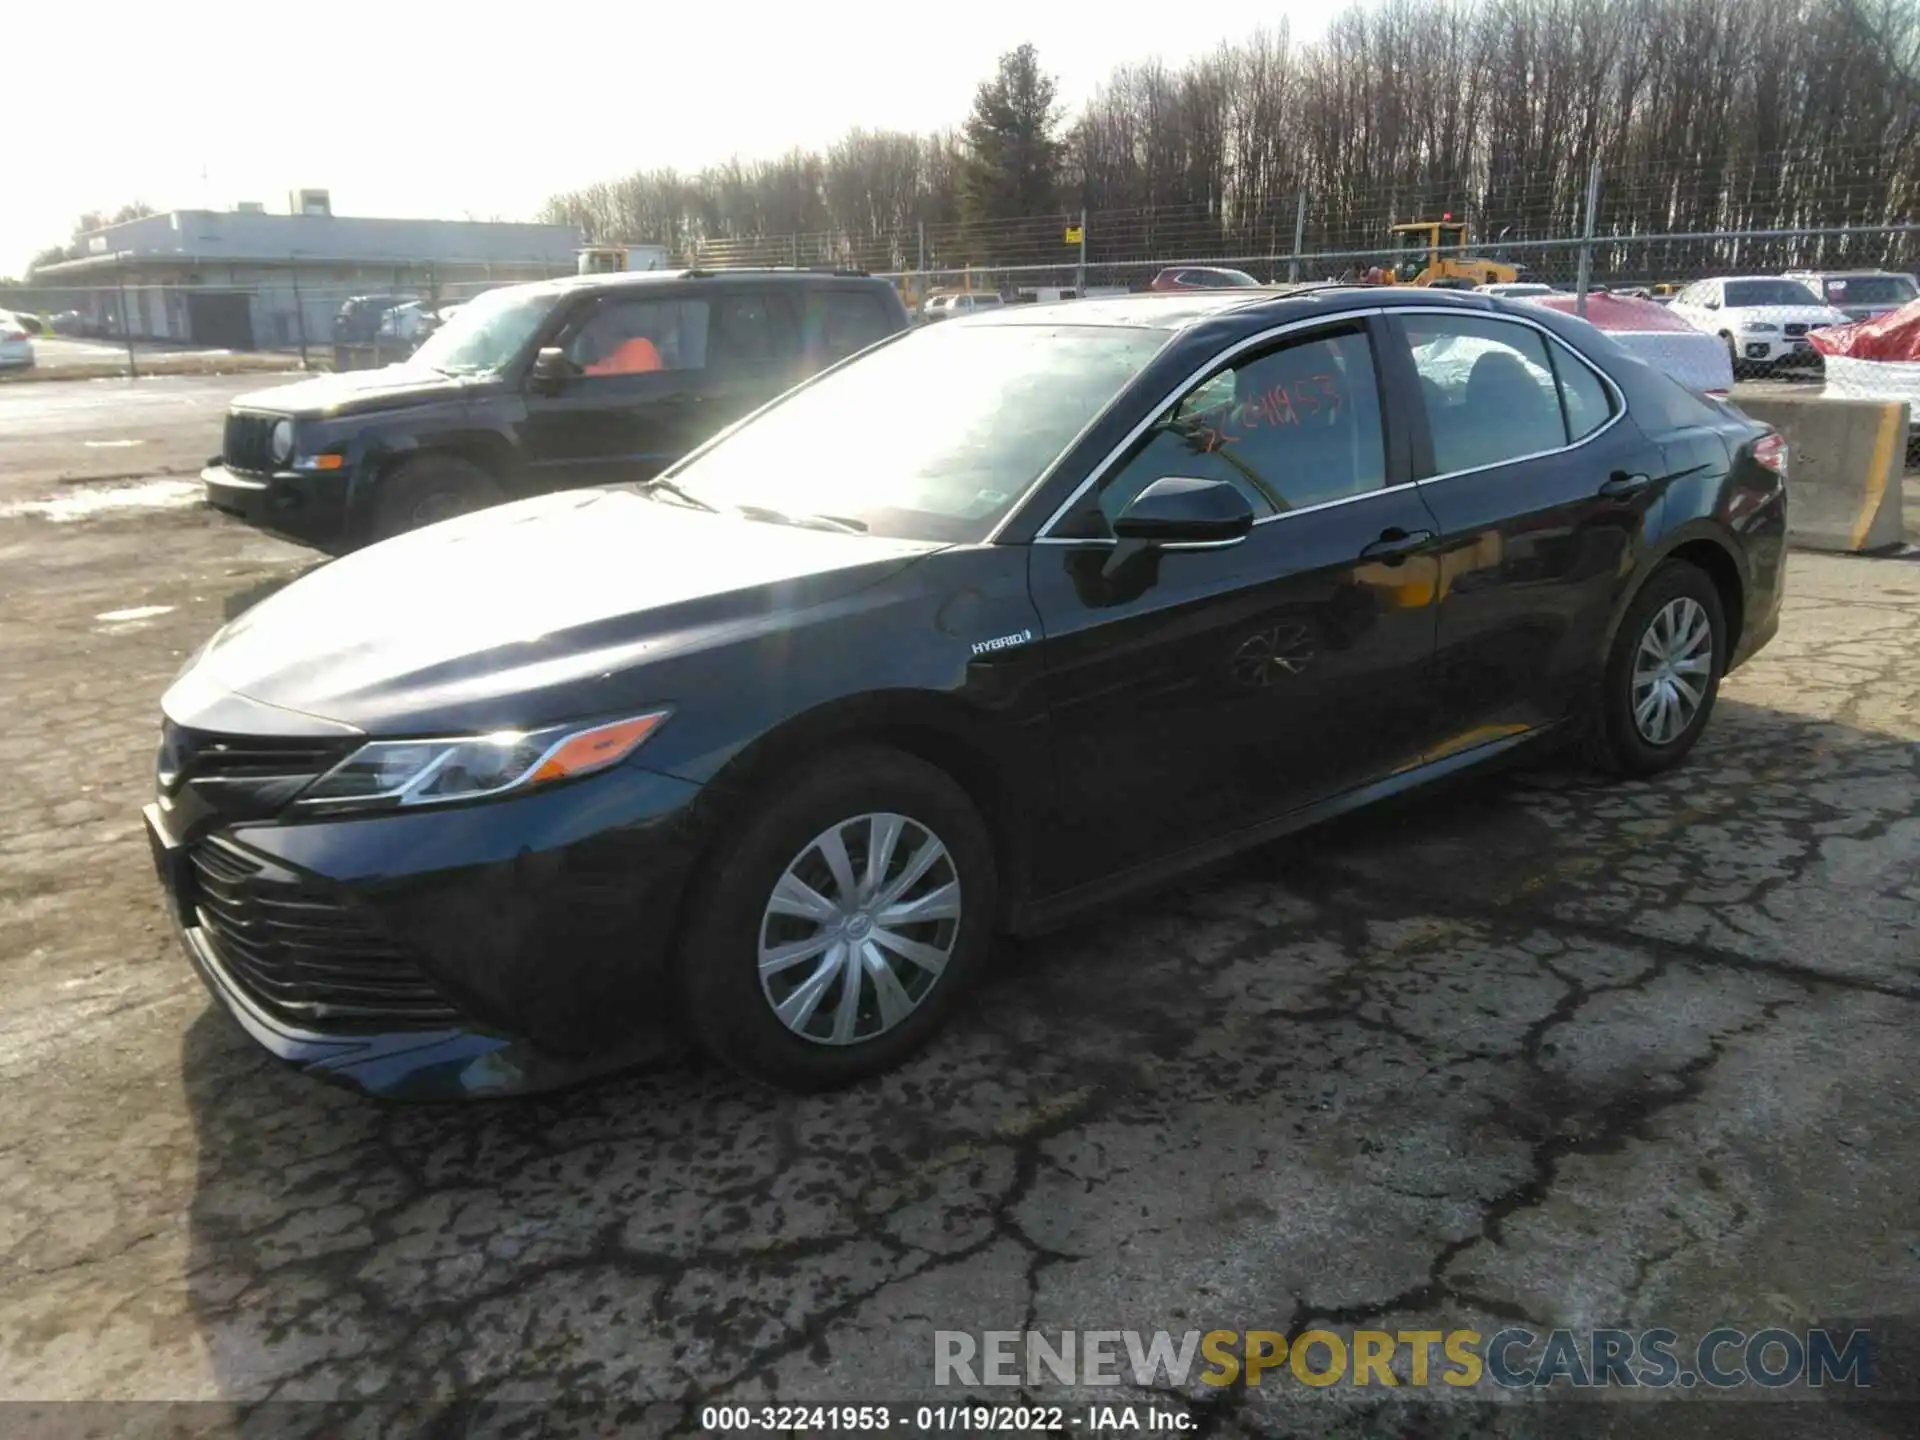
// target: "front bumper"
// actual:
[[489, 949], [1777, 349], [312, 508]]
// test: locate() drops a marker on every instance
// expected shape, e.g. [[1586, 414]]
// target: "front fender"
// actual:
[[376, 453]]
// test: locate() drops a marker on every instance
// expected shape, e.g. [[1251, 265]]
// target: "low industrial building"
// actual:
[[245, 279]]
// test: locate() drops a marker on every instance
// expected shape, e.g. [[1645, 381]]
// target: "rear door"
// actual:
[[1543, 489], [608, 422], [842, 321], [754, 350]]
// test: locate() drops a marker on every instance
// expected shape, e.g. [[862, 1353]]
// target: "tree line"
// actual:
[[1701, 115]]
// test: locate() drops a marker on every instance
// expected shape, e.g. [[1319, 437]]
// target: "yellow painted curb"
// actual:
[[1884, 442]]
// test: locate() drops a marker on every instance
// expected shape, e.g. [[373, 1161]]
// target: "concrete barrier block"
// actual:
[[1845, 459]]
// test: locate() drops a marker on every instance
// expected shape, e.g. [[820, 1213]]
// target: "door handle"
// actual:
[[1622, 486], [1395, 545]]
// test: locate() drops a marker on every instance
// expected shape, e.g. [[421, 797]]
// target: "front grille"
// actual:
[[198, 754], [1796, 329], [305, 955], [248, 445], [238, 777], [204, 755]]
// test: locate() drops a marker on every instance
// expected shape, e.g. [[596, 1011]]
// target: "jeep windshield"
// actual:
[[488, 334], [934, 436]]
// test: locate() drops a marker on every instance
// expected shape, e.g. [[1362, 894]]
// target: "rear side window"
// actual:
[[1589, 405], [1293, 426], [753, 328], [848, 321], [1488, 389]]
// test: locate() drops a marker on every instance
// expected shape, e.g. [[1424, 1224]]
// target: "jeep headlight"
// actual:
[[384, 774], [1761, 327], [282, 441]]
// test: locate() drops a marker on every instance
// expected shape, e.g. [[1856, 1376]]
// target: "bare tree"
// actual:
[[1704, 116]]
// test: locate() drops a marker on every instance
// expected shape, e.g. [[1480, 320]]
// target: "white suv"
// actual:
[[1762, 319], [945, 307]]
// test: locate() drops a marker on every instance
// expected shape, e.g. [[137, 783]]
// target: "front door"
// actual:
[[1196, 691], [1542, 489], [641, 394]]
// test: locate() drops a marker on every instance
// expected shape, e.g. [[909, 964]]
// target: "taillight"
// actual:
[[1771, 451]]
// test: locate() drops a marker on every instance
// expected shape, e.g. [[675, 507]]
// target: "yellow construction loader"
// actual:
[[1418, 257]]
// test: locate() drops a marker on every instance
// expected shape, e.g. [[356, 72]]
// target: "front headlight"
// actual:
[[385, 774], [282, 441], [1761, 327]]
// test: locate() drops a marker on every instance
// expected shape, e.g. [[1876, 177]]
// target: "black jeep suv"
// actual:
[[529, 388]]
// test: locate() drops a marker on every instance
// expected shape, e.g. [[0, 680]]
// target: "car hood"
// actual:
[[354, 392], [536, 611]]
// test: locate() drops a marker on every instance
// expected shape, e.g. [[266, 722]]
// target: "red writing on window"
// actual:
[[1277, 407]]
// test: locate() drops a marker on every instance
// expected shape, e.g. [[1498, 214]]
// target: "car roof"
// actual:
[[1253, 309], [756, 275]]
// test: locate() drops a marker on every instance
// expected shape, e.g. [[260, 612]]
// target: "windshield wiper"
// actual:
[[842, 523], [660, 482]]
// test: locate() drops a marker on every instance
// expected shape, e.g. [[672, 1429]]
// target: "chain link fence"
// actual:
[[1649, 229]]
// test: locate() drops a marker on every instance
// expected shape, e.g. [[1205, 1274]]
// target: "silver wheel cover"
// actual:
[[1671, 668], [859, 928]]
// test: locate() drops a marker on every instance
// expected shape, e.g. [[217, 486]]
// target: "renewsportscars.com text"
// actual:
[[1513, 1358]]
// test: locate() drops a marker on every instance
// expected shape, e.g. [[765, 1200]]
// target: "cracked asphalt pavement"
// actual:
[[1534, 1049]]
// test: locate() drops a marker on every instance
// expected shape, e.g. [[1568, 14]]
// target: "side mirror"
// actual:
[[1180, 510], [551, 369], [1713, 304]]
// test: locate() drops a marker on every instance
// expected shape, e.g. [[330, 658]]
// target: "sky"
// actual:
[[425, 108]]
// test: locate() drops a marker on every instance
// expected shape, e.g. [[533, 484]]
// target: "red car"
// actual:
[[1203, 277]]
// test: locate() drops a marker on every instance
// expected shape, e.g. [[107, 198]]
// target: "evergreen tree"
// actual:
[[1012, 162]]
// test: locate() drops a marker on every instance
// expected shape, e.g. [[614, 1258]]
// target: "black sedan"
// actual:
[[977, 629]]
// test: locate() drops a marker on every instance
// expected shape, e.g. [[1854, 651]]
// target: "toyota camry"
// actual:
[[972, 632]]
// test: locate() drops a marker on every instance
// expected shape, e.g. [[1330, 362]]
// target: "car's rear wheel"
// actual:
[[842, 924], [1662, 675], [429, 489]]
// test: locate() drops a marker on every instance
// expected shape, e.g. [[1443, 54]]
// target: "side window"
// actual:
[[1588, 401], [848, 321], [1489, 390], [628, 337], [754, 327], [1294, 426]]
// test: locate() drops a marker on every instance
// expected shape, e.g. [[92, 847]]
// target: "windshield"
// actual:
[[935, 436], [488, 333], [1769, 292], [1869, 290]]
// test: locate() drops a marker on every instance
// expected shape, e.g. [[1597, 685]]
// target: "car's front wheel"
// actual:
[[1662, 674], [428, 489], [841, 924]]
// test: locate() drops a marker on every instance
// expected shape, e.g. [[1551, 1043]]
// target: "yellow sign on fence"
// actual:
[[1075, 234]]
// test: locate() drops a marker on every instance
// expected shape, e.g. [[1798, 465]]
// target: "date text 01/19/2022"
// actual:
[[936, 1419]]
